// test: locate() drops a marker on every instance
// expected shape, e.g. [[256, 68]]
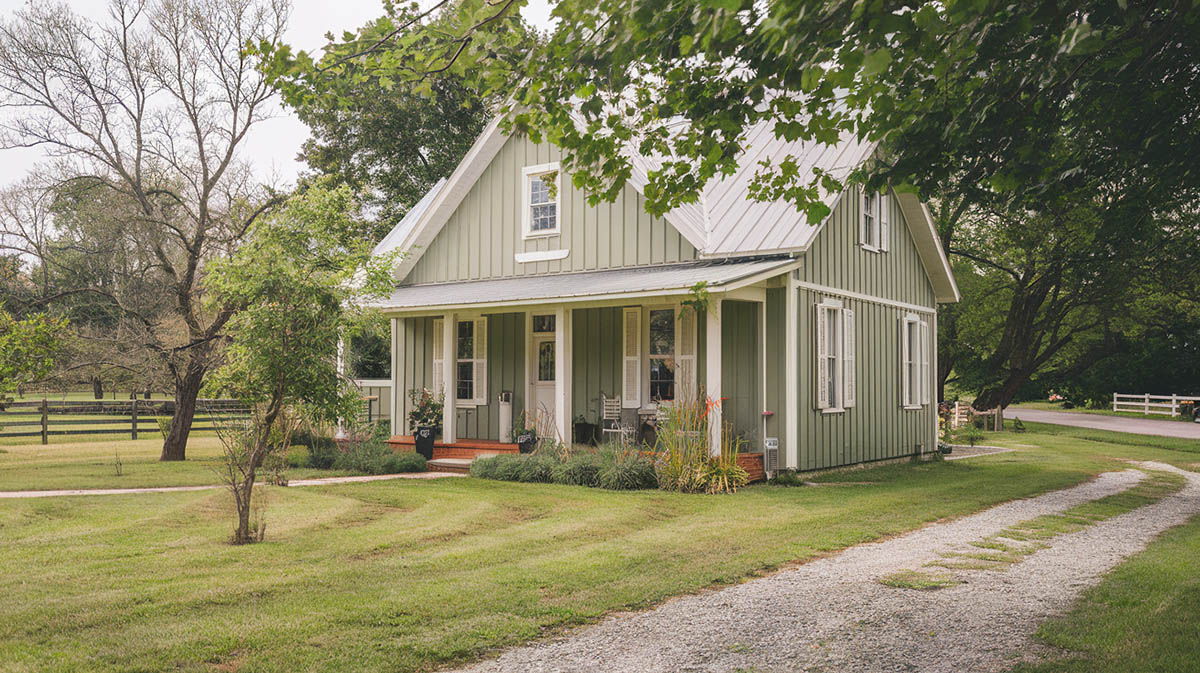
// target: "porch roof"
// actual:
[[589, 285]]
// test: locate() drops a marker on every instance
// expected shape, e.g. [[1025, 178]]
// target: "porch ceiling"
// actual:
[[670, 279]]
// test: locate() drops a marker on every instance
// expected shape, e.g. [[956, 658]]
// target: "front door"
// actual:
[[543, 386]]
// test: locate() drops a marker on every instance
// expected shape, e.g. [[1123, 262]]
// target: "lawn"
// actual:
[[411, 575], [92, 464], [1143, 616]]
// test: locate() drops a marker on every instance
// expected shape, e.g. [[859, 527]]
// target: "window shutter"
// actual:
[[631, 371], [481, 346], [904, 356], [849, 394], [439, 358], [925, 373], [685, 355], [822, 393], [885, 222]]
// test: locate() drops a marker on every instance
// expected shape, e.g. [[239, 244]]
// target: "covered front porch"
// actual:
[[552, 349]]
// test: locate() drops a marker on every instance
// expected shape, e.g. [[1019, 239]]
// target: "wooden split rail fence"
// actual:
[[47, 418], [1145, 403]]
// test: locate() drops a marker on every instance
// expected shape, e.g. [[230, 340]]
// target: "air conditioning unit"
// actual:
[[771, 454]]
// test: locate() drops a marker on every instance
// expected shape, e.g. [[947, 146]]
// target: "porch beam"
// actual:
[[712, 373], [562, 329], [449, 376]]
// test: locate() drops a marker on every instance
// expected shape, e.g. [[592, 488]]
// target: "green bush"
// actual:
[[537, 469], [297, 456], [508, 466], [578, 470], [787, 478], [399, 463], [366, 456], [484, 468], [627, 472]]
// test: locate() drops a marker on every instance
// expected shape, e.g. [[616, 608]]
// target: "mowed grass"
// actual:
[[92, 464], [411, 575], [1144, 616]]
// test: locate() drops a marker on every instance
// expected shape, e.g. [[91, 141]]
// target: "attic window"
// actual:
[[875, 230], [541, 200]]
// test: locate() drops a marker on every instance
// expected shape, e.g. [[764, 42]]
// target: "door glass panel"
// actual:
[[546, 361], [543, 323]]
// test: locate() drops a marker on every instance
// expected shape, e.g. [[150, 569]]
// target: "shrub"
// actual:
[[578, 470], [681, 445], [971, 435], [367, 456], [508, 467], [297, 456], [484, 468], [787, 478], [536, 469], [399, 463], [627, 472]]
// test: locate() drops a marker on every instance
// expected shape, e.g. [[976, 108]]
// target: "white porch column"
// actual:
[[712, 373], [791, 378], [399, 394], [449, 375], [562, 383]]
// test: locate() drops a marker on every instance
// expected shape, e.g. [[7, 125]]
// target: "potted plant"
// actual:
[[424, 419], [585, 433], [525, 434]]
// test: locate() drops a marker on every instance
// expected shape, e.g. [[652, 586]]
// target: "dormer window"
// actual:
[[541, 200]]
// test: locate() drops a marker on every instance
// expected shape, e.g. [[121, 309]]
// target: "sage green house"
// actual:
[[514, 295]]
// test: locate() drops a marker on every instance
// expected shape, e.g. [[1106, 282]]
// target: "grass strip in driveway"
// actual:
[[1143, 616]]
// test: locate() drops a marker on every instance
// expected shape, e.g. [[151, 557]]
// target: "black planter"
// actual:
[[424, 437], [526, 441], [585, 433]]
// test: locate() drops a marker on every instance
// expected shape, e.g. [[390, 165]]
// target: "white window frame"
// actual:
[[914, 362], [478, 362], [838, 352], [674, 356], [528, 173], [876, 210]]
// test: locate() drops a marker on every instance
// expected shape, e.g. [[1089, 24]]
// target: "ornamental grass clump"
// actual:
[[626, 470], [684, 460]]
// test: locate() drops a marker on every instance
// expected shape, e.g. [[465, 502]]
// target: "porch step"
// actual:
[[455, 465], [463, 448]]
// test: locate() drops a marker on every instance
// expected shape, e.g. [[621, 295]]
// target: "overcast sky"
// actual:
[[273, 144]]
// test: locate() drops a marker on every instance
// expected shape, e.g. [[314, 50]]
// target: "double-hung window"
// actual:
[[915, 383], [835, 366], [662, 354], [540, 197], [875, 221]]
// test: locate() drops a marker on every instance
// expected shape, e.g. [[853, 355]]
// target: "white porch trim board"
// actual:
[[562, 395], [791, 365], [398, 391], [825, 289], [449, 377], [712, 373]]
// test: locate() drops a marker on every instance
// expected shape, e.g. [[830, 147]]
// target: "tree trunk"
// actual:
[[97, 388], [187, 390], [1001, 395]]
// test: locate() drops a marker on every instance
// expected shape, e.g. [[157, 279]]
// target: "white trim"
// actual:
[[527, 174], [825, 289], [399, 394], [712, 373], [562, 399], [929, 247], [540, 256], [449, 379], [791, 360], [740, 283]]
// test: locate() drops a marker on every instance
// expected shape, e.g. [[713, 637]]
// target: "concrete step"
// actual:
[[456, 465]]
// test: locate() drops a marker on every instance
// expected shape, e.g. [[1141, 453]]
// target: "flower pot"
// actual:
[[526, 441], [424, 437]]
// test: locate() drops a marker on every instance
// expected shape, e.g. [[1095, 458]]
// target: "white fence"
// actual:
[[1163, 405]]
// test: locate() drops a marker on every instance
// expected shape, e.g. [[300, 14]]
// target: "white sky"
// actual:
[[273, 144]]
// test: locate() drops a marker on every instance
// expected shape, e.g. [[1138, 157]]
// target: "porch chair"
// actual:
[[610, 420]]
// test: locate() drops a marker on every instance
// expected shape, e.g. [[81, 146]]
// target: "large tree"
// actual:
[[143, 114]]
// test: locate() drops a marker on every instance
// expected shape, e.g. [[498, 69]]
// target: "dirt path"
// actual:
[[171, 489], [834, 615], [1137, 426]]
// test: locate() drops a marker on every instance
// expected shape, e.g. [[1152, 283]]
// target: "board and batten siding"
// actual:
[[506, 371], [877, 427], [837, 258], [486, 230], [741, 389], [596, 364]]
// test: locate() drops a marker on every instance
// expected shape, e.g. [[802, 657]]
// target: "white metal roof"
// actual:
[[396, 236], [589, 285]]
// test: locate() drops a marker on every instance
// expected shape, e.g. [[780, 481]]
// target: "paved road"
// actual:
[[1137, 426]]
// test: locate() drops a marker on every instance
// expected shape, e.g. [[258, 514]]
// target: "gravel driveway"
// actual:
[[1079, 419], [833, 615]]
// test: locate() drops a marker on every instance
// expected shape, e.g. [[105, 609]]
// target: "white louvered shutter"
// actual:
[[439, 356], [481, 346], [904, 356], [849, 394], [925, 373], [821, 340], [631, 370], [685, 355], [885, 222]]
